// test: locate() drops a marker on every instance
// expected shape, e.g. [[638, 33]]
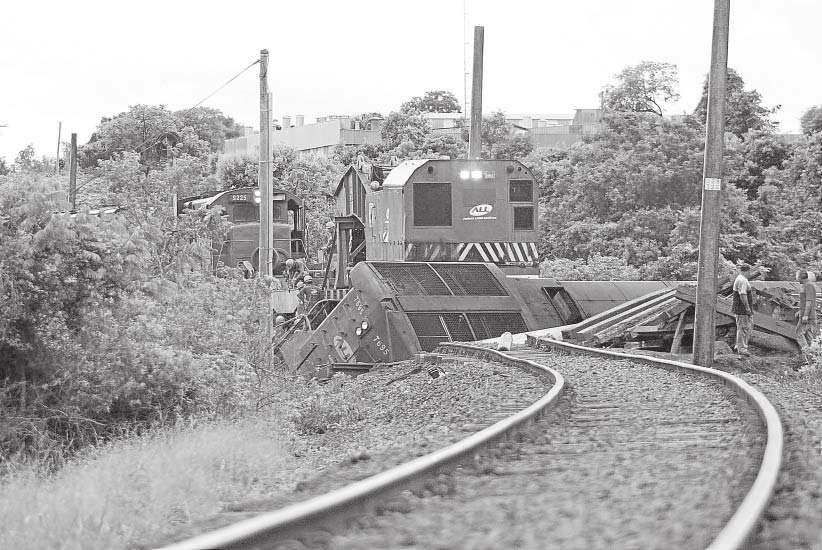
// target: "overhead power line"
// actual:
[[142, 147]]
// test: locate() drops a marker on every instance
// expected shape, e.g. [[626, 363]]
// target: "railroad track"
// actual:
[[631, 453]]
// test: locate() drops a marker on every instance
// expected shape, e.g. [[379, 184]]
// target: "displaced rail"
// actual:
[[604, 420]]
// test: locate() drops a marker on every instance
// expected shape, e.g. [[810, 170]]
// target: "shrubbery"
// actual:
[[113, 324]]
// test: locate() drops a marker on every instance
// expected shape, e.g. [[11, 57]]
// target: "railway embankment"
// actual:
[[312, 438]]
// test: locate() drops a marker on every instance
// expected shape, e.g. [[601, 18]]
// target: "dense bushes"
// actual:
[[107, 325]]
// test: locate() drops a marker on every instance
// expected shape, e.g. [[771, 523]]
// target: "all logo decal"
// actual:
[[481, 210]]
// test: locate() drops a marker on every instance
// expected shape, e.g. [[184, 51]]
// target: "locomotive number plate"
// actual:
[[239, 198]]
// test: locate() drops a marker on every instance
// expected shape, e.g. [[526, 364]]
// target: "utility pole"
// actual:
[[465, 60], [266, 214], [57, 162], [73, 174], [705, 315], [475, 137]]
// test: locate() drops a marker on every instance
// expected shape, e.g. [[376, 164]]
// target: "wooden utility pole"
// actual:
[[475, 137], [73, 174], [266, 208], [57, 162], [705, 317]]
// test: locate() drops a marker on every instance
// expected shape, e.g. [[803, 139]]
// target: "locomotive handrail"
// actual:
[[742, 523], [240, 532]]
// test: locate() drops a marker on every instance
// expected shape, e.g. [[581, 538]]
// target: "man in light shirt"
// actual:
[[742, 309], [807, 329]]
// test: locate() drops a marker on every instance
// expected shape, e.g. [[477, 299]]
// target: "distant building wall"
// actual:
[[319, 138]]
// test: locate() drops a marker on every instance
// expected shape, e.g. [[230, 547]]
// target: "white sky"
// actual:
[[79, 61]]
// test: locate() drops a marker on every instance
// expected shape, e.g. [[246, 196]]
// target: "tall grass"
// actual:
[[135, 491]]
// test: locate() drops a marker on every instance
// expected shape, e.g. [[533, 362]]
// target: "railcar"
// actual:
[[242, 208]]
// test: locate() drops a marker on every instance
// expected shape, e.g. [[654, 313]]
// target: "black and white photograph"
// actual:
[[435, 275]]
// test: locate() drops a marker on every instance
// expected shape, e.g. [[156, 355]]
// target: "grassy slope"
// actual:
[[102, 501]]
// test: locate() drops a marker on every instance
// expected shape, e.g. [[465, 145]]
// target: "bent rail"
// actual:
[[741, 525], [272, 522]]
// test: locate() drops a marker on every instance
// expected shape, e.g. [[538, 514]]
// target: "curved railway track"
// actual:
[[610, 466]]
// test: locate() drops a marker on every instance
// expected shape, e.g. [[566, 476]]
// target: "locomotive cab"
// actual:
[[462, 210]]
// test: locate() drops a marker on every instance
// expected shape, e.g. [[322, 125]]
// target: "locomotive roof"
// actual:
[[398, 176], [209, 200]]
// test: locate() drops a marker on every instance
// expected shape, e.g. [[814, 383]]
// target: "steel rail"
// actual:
[[269, 523], [740, 527]]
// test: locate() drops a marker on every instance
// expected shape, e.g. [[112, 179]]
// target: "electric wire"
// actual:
[[158, 139]]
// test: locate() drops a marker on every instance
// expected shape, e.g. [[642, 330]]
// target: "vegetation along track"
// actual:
[[631, 456]]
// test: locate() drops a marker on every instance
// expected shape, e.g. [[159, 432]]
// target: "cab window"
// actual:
[[245, 212], [432, 204]]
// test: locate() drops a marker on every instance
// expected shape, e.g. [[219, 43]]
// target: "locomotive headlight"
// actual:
[[364, 325], [358, 332], [256, 192], [476, 174], [257, 200], [465, 174]]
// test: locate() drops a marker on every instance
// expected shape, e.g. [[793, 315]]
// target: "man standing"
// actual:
[[807, 328], [742, 309]]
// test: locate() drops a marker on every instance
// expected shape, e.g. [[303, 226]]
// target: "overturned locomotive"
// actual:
[[437, 250]]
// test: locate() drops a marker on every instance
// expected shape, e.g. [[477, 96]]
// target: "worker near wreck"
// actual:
[[807, 327], [742, 309]]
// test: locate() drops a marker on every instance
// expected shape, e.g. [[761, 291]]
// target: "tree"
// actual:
[[400, 128], [434, 101], [4, 168], [26, 161], [811, 120], [743, 108], [210, 125], [236, 172], [760, 151], [149, 130], [642, 88], [498, 138]]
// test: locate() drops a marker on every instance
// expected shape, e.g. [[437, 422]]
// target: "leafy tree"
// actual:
[[347, 154], [743, 109], [596, 268], [434, 101], [498, 138], [811, 120], [546, 165], [4, 168], [512, 147], [149, 130], [642, 88], [26, 160], [761, 150], [400, 128], [236, 172], [210, 125], [364, 119]]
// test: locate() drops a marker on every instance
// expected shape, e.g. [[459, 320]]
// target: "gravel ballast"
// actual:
[[380, 419], [633, 457], [793, 519]]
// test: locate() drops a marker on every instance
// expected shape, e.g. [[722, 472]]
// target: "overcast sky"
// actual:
[[79, 61]]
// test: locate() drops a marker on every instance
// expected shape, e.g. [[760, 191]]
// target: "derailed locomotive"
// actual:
[[450, 254]]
